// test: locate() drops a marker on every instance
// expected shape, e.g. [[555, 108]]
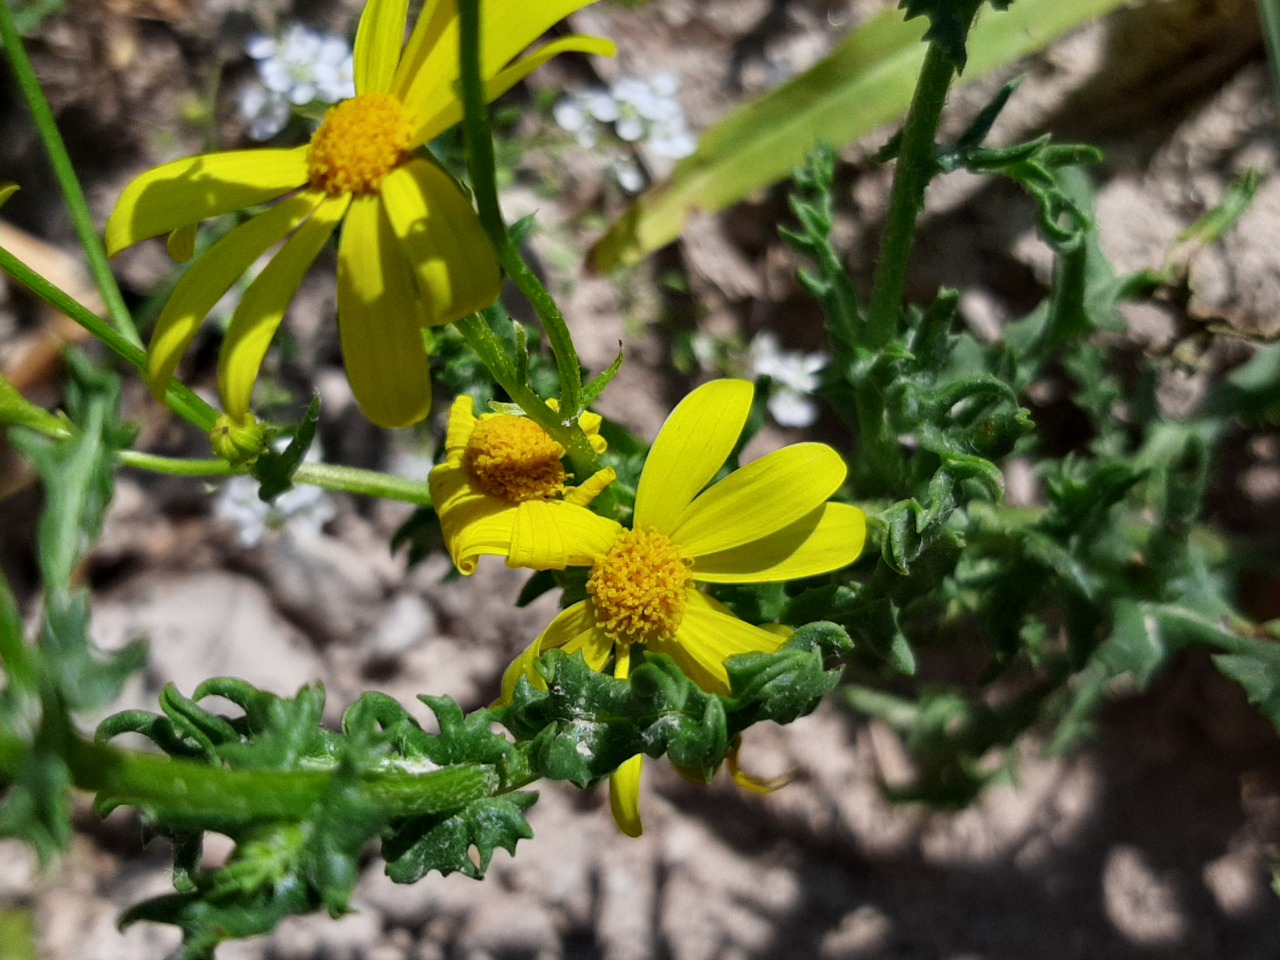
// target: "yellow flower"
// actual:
[[497, 466], [766, 522], [412, 252]]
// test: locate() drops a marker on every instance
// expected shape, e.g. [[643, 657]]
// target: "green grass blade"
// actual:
[[864, 84]]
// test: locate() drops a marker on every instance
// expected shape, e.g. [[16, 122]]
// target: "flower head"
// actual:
[[498, 466], [766, 522], [412, 252]]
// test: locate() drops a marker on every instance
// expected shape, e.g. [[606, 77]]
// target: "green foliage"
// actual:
[[949, 22], [1109, 578], [63, 673], [581, 725]]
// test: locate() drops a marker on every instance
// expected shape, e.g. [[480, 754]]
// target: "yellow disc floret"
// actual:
[[514, 459], [359, 142], [639, 587]]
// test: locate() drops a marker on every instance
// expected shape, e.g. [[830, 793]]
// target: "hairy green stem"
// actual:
[[916, 166], [177, 789], [365, 483], [178, 397], [481, 167], [72, 192]]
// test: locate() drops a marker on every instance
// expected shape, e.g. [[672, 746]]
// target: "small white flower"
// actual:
[[303, 509], [629, 176], [304, 65], [602, 106], [569, 115], [265, 111], [630, 129], [794, 377], [664, 83]]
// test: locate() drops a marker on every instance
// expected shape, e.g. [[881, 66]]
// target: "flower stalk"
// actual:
[[73, 193]]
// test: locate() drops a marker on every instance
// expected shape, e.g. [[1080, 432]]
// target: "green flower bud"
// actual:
[[240, 443]]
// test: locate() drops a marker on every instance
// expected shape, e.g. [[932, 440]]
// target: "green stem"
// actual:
[[178, 397], [72, 192], [565, 431], [481, 167], [916, 166], [365, 483], [176, 789], [176, 466]]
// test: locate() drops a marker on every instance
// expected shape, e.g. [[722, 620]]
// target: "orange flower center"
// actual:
[[359, 142], [514, 459], [639, 587]]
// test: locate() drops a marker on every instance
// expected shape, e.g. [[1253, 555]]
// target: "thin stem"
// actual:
[[481, 167], [366, 483], [565, 431], [178, 397], [915, 168], [72, 192], [176, 466]]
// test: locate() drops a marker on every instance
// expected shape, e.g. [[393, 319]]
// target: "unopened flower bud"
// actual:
[[240, 443]]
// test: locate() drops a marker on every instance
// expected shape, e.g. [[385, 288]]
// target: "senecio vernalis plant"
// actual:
[[700, 595]]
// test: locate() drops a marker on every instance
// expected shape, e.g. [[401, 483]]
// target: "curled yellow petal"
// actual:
[[7, 190], [474, 523], [553, 534], [187, 191], [624, 796]]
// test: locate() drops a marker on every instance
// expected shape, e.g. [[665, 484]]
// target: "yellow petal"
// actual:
[[7, 189], [379, 38], [380, 319], [709, 635], [264, 304], [453, 261], [474, 523], [204, 284], [553, 534], [181, 244], [187, 191], [624, 796], [574, 630], [759, 499], [430, 68], [592, 488], [462, 421], [827, 539], [436, 15], [448, 108], [690, 449]]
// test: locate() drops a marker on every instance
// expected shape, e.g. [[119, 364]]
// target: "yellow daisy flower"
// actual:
[[496, 466], [412, 253], [766, 522]]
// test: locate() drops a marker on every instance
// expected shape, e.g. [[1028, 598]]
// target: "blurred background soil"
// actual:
[[1154, 842]]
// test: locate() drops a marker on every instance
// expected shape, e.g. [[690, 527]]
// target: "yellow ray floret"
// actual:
[[413, 252], [502, 471], [768, 521]]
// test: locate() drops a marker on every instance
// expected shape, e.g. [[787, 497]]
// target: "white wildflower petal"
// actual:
[[601, 105], [569, 115], [630, 129], [790, 408], [664, 83]]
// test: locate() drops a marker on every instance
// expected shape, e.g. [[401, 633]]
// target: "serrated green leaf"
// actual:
[[275, 470], [419, 846]]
